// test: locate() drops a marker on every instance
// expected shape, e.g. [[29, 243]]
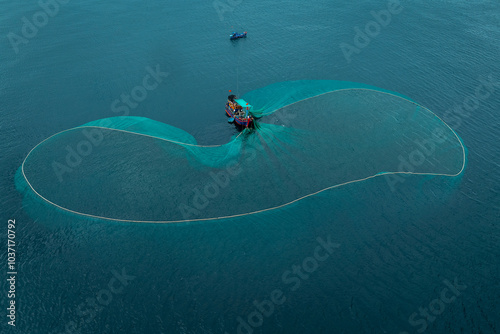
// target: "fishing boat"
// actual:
[[235, 35], [238, 111]]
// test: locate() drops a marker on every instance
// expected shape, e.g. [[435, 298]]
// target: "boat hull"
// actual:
[[233, 37], [246, 122]]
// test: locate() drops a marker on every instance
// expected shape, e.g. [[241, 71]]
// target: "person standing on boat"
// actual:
[[230, 101], [234, 106], [238, 110]]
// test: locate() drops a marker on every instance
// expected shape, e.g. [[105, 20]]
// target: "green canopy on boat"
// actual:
[[243, 103]]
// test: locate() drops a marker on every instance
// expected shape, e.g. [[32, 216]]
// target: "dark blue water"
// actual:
[[421, 258]]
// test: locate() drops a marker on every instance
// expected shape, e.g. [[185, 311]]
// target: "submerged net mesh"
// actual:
[[313, 136]]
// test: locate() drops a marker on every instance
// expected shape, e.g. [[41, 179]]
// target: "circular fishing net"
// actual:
[[311, 136]]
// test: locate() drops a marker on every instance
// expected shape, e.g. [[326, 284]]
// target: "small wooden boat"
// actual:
[[235, 35], [239, 111]]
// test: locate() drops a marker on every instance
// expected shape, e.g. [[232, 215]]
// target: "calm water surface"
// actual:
[[390, 254]]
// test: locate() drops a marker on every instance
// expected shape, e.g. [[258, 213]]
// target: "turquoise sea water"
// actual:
[[392, 252]]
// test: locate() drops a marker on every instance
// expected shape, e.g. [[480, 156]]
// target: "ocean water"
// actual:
[[421, 256]]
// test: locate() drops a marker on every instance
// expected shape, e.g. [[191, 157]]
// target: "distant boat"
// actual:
[[235, 35], [239, 111]]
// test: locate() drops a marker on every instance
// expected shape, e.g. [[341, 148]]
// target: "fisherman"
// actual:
[[238, 111]]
